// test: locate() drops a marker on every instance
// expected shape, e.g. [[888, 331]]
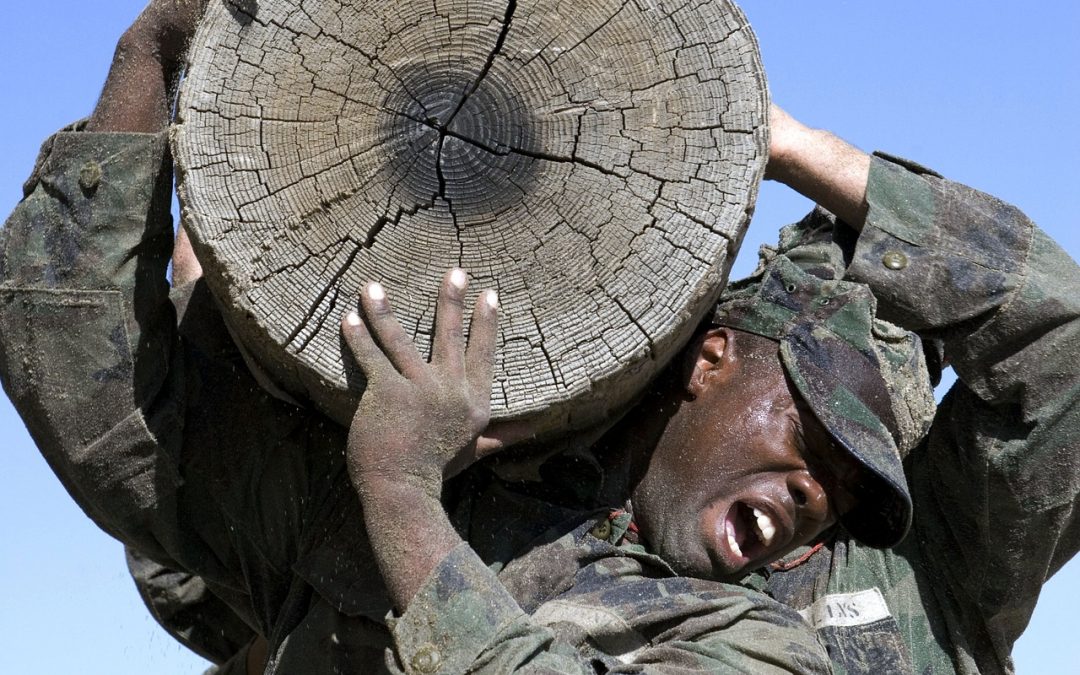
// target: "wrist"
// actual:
[[138, 52], [395, 485], [410, 534], [823, 168], [160, 47]]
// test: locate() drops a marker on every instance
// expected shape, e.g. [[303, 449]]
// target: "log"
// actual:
[[595, 161]]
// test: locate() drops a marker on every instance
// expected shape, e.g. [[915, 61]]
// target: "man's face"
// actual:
[[742, 473]]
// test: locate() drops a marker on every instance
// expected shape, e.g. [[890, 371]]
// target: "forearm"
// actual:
[[409, 531], [455, 615], [136, 94], [820, 166]]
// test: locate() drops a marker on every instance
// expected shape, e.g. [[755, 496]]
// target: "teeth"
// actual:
[[764, 526], [734, 545]]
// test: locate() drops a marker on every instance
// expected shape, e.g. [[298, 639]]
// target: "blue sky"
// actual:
[[986, 93]]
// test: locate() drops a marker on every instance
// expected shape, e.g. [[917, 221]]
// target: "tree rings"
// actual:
[[594, 161]]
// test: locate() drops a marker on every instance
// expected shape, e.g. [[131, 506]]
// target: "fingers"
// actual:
[[367, 354], [501, 435], [396, 344], [449, 348], [483, 332], [384, 344]]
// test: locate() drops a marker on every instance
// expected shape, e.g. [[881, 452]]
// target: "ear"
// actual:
[[715, 357]]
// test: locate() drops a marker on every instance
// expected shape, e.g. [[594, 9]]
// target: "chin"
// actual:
[[726, 573], [702, 565]]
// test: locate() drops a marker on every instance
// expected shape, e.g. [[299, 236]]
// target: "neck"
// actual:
[[625, 450]]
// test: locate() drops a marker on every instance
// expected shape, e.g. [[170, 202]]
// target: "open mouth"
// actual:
[[749, 531]]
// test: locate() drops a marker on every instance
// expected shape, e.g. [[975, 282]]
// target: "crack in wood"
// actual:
[[292, 267], [508, 18], [321, 321], [330, 286], [637, 324], [555, 378]]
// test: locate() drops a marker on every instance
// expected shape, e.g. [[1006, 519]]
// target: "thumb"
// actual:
[[502, 435]]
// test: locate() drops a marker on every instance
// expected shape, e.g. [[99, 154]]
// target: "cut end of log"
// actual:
[[595, 162]]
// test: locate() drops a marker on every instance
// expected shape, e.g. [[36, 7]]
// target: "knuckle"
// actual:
[[380, 310], [478, 414], [454, 298]]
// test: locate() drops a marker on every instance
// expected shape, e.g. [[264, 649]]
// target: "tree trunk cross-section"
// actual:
[[595, 161]]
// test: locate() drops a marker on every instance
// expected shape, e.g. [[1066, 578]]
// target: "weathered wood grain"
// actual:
[[595, 161]]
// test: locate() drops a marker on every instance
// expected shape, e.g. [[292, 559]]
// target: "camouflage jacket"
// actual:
[[582, 599], [995, 484], [235, 504]]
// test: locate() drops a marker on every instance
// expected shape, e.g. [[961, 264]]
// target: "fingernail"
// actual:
[[458, 278], [376, 292], [492, 299], [352, 318]]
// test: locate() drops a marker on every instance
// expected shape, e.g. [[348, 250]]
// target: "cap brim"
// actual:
[[843, 387]]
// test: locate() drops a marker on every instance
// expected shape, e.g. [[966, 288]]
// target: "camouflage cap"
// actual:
[[865, 379]]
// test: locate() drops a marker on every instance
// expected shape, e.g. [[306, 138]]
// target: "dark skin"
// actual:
[[734, 436], [740, 437], [416, 423], [139, 91], [737, 438]]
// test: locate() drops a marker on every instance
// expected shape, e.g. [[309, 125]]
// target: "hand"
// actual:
[[138, 93], [418, 422]]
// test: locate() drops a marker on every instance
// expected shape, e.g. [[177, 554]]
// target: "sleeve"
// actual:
[[185, 607], [87, 332], [464, 620], [995, 485]]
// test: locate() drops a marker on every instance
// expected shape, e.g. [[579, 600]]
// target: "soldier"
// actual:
[[832, 398]]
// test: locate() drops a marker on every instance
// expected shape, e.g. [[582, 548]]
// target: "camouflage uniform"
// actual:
[[236, 506]]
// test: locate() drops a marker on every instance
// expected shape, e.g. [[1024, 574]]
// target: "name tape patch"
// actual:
[[847, 609]]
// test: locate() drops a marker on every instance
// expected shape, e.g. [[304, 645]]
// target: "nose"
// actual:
[[811, 500]]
